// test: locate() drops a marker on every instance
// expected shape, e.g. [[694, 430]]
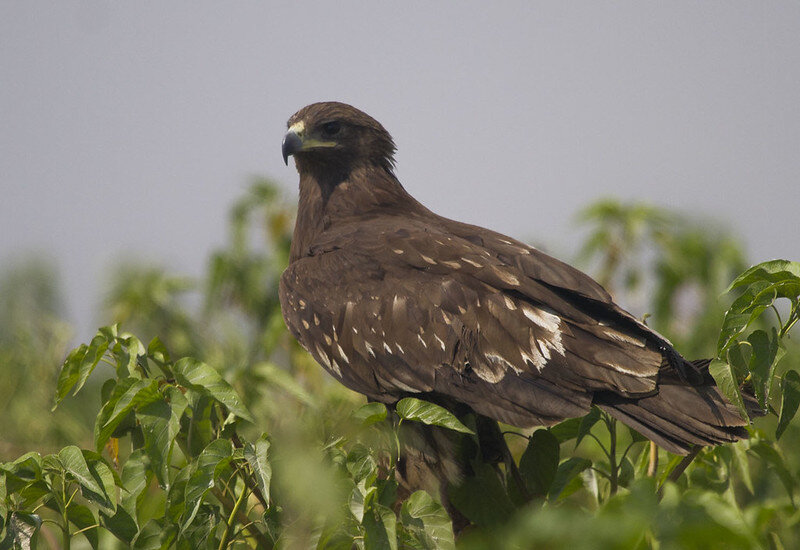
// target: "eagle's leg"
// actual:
[[431, 458], [495, 449]]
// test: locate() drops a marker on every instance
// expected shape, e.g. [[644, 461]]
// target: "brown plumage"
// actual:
[[394, 300]]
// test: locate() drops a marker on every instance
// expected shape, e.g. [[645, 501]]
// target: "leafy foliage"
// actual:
[[216, 430]]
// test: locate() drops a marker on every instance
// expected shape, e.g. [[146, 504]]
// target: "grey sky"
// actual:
[[131, 127]]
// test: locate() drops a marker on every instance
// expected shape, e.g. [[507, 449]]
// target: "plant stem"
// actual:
[[652, 467], [681, 467], [223, 543], [260, 537], [65, 537]]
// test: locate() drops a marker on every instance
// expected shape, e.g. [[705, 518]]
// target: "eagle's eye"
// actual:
[[332, 128]]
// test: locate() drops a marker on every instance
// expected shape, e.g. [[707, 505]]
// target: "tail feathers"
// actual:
[[679, 416]]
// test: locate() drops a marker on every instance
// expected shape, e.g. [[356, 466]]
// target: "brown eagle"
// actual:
[[394, 301]]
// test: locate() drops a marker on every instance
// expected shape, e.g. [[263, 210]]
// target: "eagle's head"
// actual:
[[333, 136]]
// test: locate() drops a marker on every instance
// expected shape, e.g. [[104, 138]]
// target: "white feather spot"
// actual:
[[342, 353], [421, 341], [471, 262], [305, 324], [510, 303], [398, 303], [501, 362], [397, 251], [302, 303], [355, 330], [322, 357], [505, 276], [451, 264], [370, 349], [622, 368], [534, 358], [428, 259], [399, 348], [441, 343], [546, 320], [387, 348], [335, 367], [316, 319], [327, 339], [621, 337], [541, 348]]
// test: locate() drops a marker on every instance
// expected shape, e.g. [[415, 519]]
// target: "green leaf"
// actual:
[[418, 410], [567, 472], [79, 365], [566, 430], [539, 462], [790, 399], [360, 463], [157, 351], [741, 464], [358, 499], [106, 478], [126, 350], [121, 525], [160, 422], [156, 534], [257, 456], [380, 528], [74, 464], [743, 312], [428, 521], [777, 464], [211, 461], [482, 498], [762, 362], [127, 394], [69, 374], [587, 422], [83, 518], [28, 466], [134, 479], [30, 493], [369, 413], [202, 378], [22, 530], [723, 375], [773, 271]]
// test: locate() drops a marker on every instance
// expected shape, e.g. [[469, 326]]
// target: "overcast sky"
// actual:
[[131, 127]]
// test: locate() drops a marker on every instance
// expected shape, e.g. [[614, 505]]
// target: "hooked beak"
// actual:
[[292, 143]]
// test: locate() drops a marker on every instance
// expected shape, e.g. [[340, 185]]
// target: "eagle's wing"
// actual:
[[391, 306]]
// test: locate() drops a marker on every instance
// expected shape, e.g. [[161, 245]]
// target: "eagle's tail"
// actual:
[[680, 415]]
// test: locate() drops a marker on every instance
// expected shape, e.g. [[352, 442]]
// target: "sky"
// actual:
[[128, 129]]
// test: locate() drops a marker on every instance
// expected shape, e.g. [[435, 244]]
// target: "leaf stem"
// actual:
[[65, 536]]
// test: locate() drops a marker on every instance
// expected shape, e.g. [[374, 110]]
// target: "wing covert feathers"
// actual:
[[393, 300]]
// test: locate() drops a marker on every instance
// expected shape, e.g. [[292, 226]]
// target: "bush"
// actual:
[[216, 430]]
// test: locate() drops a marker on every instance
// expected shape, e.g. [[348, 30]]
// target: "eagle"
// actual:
[[394, 300]]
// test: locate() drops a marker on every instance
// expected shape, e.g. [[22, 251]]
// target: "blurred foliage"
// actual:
[[214, 429], [34, 339]]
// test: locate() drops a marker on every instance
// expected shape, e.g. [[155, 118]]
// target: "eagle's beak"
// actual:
[[292, 143]]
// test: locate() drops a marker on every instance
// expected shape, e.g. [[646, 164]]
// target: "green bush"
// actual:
[[215, 430]]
